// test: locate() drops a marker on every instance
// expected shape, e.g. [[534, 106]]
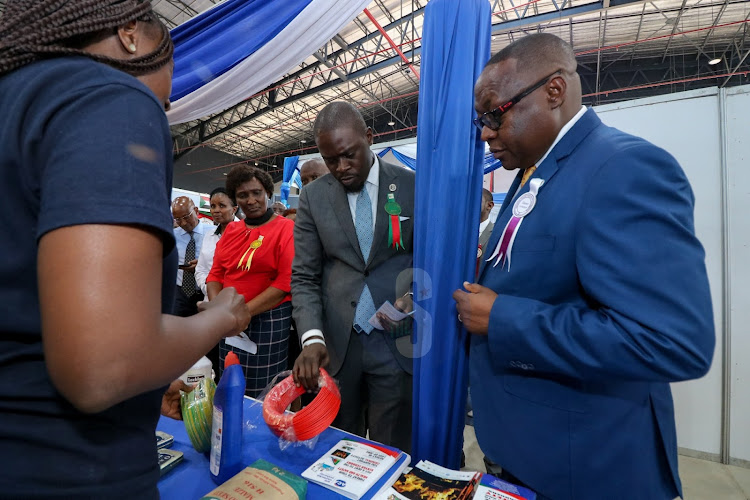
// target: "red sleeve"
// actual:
[[283, 279], [218, 270]]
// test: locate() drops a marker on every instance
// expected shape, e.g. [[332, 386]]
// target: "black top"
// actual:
[[80, 143]]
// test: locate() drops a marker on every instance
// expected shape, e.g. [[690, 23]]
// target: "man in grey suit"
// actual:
[[353, 252]]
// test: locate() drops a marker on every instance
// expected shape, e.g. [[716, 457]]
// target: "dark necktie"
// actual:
[[188, 279]]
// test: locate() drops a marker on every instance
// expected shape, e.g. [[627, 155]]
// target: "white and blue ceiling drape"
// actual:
[[239, 47]]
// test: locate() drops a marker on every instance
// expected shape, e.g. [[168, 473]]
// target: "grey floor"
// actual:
[[701, 479]]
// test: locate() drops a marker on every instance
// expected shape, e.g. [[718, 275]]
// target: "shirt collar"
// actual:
[[562, 133], [374, 176]]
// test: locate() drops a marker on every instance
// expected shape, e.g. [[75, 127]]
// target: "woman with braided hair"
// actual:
[[86, 167]]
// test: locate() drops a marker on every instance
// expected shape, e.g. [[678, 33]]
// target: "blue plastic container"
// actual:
[[226, 430]]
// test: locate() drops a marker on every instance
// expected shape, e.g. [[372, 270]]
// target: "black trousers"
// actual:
[[376, 393], [185, 306]]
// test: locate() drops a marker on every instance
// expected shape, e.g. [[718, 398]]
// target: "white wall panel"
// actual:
[[687, 126]]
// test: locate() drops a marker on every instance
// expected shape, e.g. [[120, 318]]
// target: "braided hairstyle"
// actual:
[[31, 30]]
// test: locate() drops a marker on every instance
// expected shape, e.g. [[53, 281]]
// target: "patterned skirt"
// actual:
[[270, 331]]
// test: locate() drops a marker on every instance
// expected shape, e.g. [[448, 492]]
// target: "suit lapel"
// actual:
[[569, 142], [545, 171], [340, 205], [380, 236]]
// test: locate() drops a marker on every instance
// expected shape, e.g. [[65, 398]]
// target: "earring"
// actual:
[[132, 48]]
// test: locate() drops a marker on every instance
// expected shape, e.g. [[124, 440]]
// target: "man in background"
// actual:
[[189, 239], [485, 224], [311, 170]]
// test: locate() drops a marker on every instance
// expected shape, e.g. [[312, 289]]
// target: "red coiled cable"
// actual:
[[312, 419]]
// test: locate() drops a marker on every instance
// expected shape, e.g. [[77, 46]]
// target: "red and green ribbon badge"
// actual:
[[395, 237]]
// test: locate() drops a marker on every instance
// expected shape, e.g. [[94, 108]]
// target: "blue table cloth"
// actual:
[[191, 479]]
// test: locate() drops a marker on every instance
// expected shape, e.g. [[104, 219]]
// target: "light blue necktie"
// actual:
[[363, 216]]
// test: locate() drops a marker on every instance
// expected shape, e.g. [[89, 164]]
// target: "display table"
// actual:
[[191, 479]]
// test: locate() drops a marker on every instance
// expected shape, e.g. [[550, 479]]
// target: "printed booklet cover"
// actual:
[[351, 468]]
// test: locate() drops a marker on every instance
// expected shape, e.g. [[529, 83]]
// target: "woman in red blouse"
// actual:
[[255, 257]]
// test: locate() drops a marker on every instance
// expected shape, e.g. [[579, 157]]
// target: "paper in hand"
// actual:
[[390, 311], [242, 341]]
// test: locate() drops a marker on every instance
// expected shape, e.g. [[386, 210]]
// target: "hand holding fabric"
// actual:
[[474, 307]]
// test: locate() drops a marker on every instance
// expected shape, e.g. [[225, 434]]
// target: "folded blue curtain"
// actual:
[[450, 157], [213, 43], [290, 167]]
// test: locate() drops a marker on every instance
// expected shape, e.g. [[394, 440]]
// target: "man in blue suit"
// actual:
[[594, 295]]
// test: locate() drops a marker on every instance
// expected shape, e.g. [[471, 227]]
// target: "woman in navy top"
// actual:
[[88, 263]]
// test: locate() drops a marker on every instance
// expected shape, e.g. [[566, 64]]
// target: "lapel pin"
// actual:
[[392, 188]]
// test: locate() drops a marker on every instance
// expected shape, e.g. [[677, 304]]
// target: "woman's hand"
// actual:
[[170, 401]]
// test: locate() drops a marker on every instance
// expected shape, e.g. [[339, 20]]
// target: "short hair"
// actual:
[[221, 190], [539, 50], [339, 114], [243, 173], [486, 195], [50, 28]]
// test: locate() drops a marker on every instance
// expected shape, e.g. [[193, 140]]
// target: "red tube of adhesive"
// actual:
[[226, 430]]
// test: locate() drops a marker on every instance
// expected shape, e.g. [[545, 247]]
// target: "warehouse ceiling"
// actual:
[[626, 49]]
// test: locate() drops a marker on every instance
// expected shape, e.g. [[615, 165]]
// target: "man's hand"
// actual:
[[191, 266], [398, 328], [307, 366], [170, 401], [234, 304], [474, 307]]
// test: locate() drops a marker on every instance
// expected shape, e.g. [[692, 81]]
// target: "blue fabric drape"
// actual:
[[290, 166], [490, 163], [409, 162], [455, 48], [211, 44]]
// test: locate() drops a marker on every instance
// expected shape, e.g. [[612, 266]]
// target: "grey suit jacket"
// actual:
[[329, 272]]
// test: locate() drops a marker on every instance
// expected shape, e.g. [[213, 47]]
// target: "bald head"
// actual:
[[185, 213], [311, 170], [540, 53], [339, 114]]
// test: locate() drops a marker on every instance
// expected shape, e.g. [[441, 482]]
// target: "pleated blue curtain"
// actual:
[[450, 158]]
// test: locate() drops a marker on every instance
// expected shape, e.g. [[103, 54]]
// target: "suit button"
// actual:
[[354, 304], [367, 273]]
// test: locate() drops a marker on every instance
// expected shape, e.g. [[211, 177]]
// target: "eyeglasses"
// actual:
[[184, 217], [491, 119]]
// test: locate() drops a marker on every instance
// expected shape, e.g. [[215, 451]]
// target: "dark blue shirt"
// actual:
[[80, 143]]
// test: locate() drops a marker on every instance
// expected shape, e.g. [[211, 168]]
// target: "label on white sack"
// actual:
[[216, 431]]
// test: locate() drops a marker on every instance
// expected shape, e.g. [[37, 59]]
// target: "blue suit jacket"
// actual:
[[605, 303]]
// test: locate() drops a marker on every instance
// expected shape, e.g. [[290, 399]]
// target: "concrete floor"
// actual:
[[701, 479]]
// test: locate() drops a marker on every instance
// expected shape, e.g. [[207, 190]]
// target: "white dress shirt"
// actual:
[[182, 238], [371, 185], [206, 260]]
